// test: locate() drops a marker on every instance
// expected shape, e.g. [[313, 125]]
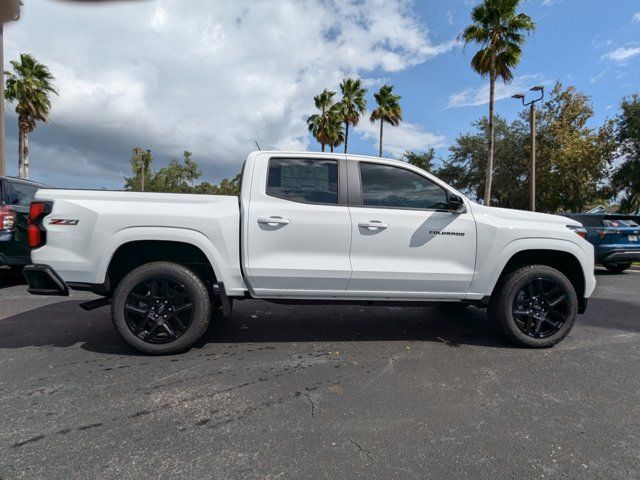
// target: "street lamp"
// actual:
[[532, 124], [9, 11]]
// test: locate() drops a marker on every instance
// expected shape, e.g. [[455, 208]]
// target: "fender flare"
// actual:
[[485, 283], [168, 234]]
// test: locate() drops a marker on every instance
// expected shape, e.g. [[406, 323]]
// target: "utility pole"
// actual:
[[532, 125], [9, 11], [145, 159]]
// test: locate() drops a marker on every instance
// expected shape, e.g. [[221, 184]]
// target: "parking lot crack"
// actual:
[[362, 450]]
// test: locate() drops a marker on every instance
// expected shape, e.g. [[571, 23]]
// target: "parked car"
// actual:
[[308, 228], [16, 195], [616, 238]]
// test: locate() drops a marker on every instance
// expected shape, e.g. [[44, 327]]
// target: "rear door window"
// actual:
[[303, 180]]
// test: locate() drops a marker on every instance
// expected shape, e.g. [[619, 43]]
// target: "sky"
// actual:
[[215, 77]]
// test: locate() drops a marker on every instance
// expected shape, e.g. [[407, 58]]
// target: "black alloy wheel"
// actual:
[[158, 310], [541, 307]]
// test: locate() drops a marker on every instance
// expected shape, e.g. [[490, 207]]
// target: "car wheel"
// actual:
[[161, 308], [535, 306], [617, 267]]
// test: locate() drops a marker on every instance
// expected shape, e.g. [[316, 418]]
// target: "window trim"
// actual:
[[342, 180], [360, 192]]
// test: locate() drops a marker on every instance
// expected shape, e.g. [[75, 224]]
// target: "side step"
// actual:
[[97, 303]]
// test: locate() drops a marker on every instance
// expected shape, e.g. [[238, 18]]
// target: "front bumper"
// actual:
[[43, 280]]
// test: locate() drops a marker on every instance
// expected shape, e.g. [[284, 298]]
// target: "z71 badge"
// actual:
[[63, 221]]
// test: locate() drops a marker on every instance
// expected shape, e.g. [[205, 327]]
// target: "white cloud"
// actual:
[[396, 140], [599, 76], [208, 76], [636, 17], [622, 54], [475, 96]]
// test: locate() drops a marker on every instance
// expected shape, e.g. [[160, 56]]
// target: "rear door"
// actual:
[[405, 241], [298, 228]]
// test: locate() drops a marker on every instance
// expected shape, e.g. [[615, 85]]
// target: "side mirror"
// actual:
[[456, 204]]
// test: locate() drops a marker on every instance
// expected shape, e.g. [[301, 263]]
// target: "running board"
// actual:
[[97, 303]]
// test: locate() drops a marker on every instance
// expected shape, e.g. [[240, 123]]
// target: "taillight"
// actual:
[[36, 233], [578, 229], [7, 218]]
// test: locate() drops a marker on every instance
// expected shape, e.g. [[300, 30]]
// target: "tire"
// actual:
[[161, 308], [519, 308], [617, 267]]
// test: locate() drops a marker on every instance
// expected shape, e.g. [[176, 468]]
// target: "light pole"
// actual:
[[9, 11], [532, 124]]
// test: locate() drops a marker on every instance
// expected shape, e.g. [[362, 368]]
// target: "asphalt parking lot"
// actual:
[[320, 392]]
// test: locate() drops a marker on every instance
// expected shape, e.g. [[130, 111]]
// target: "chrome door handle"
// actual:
[[374, 225], [274, 221]]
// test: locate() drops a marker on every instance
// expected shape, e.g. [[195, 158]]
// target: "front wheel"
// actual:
[[161, 308], [535, 306], [617, 267]]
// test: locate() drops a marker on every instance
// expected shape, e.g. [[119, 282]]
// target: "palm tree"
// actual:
[[335, 132], [353, 104], [388, 110], [319, 124], [500, 32], [29, 85]]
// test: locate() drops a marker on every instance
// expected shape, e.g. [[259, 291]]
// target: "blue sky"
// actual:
[[213, 76]]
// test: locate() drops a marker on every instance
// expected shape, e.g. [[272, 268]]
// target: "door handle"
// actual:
[[274, 221], [374, 225]]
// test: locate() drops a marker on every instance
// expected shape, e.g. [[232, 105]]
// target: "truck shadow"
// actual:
[[9, 278], [65, 325]]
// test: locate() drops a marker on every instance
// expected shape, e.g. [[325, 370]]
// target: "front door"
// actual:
[[405, 238], [298, 228]]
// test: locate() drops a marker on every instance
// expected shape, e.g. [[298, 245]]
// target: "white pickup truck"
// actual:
[[308, 228]]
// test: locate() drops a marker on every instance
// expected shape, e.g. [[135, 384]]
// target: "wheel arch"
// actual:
[[129, 249]]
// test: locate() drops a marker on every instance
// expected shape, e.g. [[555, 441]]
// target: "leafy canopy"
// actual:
[[499, 31], [389, 109], [30, 85]]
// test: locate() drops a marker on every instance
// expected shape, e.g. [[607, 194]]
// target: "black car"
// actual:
[[615, 237], [16, 195]]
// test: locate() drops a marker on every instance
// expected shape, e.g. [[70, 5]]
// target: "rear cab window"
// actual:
[[303, 180]]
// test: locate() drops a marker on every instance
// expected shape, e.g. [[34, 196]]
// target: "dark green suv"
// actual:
[[16, 195]]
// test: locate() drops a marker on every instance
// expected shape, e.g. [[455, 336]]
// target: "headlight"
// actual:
[[579, 229]]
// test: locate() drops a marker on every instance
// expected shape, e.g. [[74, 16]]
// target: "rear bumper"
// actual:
[[43, 280], [618, 255]]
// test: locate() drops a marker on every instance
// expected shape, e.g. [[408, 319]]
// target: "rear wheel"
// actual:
[[617, 267], [161, 308], [535, 306]]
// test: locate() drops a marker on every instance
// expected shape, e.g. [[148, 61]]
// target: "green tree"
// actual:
[[466, 166], [352, 105], [626, 177], [176, 177], [423, 160], [388, 110], [499, 31], [335, 132], [141, 161], [30, 86], [575, 159], [320, 124], [225, 187]]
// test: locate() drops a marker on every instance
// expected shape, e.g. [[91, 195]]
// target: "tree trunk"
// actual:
[[381, 125], [25, 146], [492, 87], [332, 148], [20, 150], [323, 147], [346, 135]]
